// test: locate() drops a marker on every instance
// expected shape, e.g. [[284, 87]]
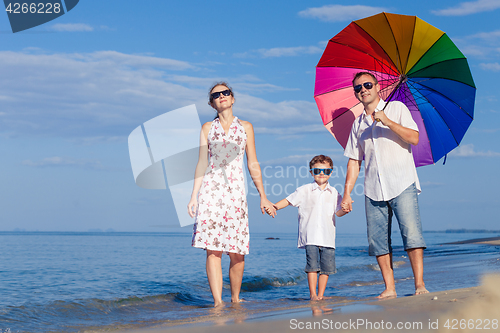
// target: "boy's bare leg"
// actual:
[[385, 263], [323, 280], [236, 268], [417, 265], [214, 275], [312, 279]]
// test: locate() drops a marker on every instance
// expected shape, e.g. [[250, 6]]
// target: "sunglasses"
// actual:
[[367, 85], [317, 171], [216, 95]]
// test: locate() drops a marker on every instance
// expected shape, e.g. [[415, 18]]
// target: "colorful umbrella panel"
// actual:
[[431, 75]]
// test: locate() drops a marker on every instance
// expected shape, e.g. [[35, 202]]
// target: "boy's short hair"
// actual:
[[320, 159]]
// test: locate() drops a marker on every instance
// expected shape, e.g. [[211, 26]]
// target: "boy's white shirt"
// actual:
[[317, 210]]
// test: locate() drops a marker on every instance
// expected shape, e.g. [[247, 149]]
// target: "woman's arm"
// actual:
[[201, 167], [254, 169]]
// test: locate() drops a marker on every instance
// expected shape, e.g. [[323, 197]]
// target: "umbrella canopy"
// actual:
[[415, 63]]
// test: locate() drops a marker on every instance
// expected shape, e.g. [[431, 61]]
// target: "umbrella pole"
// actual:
[[402, 79]]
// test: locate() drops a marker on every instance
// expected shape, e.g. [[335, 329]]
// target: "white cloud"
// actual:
[[466, 151], [71, 27], [288, 51], [487, 36], [294, 130], [484, 45], [102, 96], [467, 8], [278, 52], [57, 161], [494, 67], [339, 13], [291, 160], [429, 184]]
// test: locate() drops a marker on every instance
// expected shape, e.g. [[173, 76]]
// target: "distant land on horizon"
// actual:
[[111, 230], [462, 231]]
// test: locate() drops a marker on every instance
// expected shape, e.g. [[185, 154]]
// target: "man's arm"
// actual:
[[408, 135], [353, 167]]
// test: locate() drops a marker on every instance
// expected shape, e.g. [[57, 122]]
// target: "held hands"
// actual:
[[267, 206], [347, 203]]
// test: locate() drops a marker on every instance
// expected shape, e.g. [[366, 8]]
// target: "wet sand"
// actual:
[[458, 310]]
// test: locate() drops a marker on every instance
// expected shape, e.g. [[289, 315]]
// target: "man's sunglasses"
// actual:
[[367, 85], [317, 171], [216, 95]]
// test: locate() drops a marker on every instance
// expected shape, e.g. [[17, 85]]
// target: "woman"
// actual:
[[219, 197]]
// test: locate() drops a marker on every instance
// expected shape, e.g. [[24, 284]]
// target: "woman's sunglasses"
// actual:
[[367, 85], [317, 171], [216, 95]]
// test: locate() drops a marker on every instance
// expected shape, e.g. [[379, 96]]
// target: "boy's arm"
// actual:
[[340, 213], [281, 204]]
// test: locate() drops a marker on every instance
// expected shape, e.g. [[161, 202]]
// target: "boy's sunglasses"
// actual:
[[367, 85], [317, 171], [216, 95]]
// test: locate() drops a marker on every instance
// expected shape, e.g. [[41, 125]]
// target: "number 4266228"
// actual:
[[33, 8]]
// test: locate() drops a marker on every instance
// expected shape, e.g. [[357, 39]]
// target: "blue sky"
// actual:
[[73, 89]]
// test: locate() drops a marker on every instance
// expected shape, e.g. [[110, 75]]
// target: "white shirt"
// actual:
[[317, 210], [389, 165]]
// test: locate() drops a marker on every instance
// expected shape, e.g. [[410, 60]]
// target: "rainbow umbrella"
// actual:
[[415, 63]]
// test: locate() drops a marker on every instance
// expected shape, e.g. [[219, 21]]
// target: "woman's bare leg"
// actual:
[[236, 268], [214, 275]]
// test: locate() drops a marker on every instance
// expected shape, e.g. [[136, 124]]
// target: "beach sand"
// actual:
[[458, 310]]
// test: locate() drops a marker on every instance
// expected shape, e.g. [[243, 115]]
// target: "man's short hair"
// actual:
[[359, 74], [320, 159]]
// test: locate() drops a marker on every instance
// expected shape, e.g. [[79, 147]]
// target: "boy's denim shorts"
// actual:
[[320, 259], [379, 221]]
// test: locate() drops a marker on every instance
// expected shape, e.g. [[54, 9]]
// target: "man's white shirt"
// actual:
[[389, 164]]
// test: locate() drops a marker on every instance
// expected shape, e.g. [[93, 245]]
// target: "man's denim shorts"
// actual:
[[320, 259], [379, 220]]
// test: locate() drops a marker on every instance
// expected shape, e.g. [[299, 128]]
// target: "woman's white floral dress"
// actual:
[[222, 220]]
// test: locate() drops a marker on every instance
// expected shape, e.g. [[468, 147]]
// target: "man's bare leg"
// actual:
[[312, 280], [323, 280], [214, 275], [417, 265], [385, 263], [236, 268]]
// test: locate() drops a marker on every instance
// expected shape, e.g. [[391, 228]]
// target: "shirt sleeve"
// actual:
[[405, 118], [295, 198], [339, 203], [352, 149]]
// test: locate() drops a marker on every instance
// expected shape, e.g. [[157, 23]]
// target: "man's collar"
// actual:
[[380, 106]]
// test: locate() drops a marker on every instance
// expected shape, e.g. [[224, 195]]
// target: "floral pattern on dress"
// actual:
[[221, 218]]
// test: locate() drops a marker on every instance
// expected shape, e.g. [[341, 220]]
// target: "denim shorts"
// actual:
[[379, 220], [320, 259]]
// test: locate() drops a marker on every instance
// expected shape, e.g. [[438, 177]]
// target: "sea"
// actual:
[[102, 281]]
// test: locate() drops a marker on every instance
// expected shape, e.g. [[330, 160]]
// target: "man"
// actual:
[[383, 139]]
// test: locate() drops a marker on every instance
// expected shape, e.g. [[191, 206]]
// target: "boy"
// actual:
[[318, 203]]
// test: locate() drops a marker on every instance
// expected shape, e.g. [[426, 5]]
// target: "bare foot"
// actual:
[[239, 300], [219, 304], [421, 290], [315, 298], [388, 294]]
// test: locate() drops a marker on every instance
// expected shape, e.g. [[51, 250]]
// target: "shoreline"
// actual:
[[428, 312], [425, 313]]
